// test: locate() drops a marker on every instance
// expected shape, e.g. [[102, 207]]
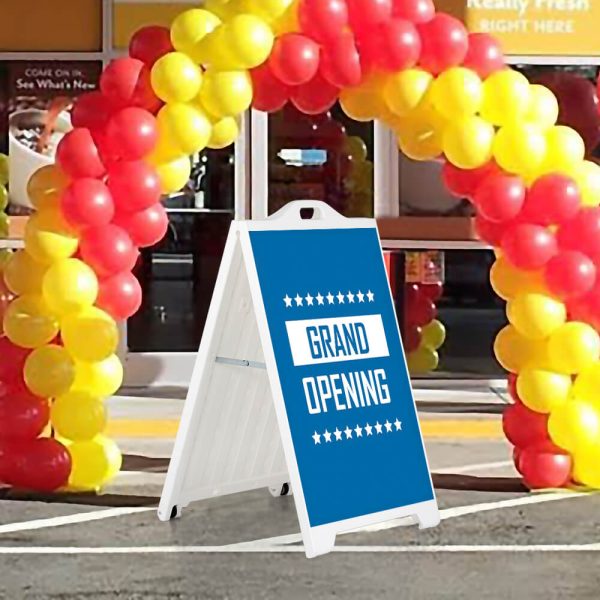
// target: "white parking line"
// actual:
[[476, 467], [96, 515], [65, 550]]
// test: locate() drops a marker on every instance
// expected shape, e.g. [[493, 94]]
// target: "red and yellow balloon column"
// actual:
[[446, 94]]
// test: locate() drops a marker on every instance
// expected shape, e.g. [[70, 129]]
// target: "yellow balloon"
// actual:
[[190, 27], [69, 285], [226, 93], [101, 378], [564, 148], [29, 323], [587, 384], [405, 90], [520, 147], [90, 334], [4, 169], [543, 107], [506, 97], [422, 360], [49, 371], [78, 416], [267, 10], [508, 281], [183, 127], [457, 92], [573, 347], [173, 174], [23, 275], [288, 21], [515, 352], [224, 132], [95, 463], [587, 176], [536, 315], [176, 77], [5, 257], [574, 424], [249, 40], [48, 237], [468, 142], [46, 186], [363, 102], [356, 149], [3, 197], [221, 8], [4, 225], [541, 390], [433, 335], [586, 466], [420, 135]]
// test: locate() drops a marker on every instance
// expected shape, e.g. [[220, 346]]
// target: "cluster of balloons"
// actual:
[[423, 334], [344, 180]]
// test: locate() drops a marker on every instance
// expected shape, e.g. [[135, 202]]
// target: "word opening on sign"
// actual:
[[341, 339]]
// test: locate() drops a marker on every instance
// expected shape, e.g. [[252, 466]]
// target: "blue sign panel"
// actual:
[[342, 371]]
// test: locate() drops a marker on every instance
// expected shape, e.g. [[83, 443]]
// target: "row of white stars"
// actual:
[[336, 435], [331, 299]]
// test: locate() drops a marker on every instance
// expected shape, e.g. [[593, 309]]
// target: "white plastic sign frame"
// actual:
[[237, 433]]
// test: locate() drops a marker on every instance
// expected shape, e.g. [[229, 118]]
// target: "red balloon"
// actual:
[[524, 427], [462, 183], [412, 294], [91, 110], [582, 233], [412, 337], [545, 466], [393, 46], [517, 458], [23, 416], [315, 97], [148, 44], [586, 308], [444, 43], [126, 82], [340, 62], [77, 155], [132, 133], [42, 465], [570, 274], [145, 227], [416, 11], [366, 14], [134, 185], [294, 59], [433, 291], [500, 197], [323, 20], [120, 295], [87, 203], [490, 232], [484, 55], [269, 93], [421, 312], [528, 246], [551, 200], [108, 250], [12, 363]]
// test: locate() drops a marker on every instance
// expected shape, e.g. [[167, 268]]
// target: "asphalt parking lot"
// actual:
[[496, 539]]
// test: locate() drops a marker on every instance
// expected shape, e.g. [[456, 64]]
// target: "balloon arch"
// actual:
[[444, 92]]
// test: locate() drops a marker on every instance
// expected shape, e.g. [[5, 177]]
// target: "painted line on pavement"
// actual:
[[499, 464], [86, 517], [454, 549]]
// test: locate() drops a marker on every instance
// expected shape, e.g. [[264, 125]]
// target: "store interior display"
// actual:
[[447, 95]]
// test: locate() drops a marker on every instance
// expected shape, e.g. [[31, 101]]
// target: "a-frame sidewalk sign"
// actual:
[[301, 378]]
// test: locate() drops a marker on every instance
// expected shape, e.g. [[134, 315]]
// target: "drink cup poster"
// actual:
[[342, 372]]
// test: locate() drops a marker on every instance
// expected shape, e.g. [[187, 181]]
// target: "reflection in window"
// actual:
[[324, 157], [179, 273]]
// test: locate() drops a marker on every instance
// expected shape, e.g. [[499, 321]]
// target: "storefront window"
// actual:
[[324, 157]]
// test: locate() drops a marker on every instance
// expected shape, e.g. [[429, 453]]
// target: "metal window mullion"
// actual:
[[386, 169], [259, 164]]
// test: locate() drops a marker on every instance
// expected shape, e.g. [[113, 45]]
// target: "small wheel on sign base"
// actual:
[[283, 490], [175, 512]]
